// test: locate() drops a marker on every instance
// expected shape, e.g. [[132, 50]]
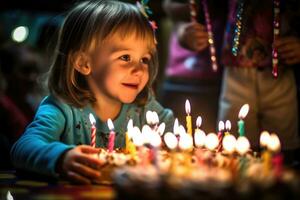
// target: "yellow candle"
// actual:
[[188, 118]]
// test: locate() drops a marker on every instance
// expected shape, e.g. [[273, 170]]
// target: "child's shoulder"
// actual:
[[51, 103]]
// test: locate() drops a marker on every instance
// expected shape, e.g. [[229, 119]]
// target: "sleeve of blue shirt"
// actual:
[[39, 147]]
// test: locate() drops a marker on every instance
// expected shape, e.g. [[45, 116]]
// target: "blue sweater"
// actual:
[[58, 127]]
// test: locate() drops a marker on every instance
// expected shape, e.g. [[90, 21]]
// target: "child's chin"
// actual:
[[128, 100]]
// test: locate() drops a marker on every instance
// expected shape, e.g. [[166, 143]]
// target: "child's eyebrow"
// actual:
[[119, 48]]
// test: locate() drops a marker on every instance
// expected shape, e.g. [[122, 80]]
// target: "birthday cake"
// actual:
[[185, 165]]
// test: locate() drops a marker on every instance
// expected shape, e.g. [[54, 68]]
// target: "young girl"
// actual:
[[105, 63]]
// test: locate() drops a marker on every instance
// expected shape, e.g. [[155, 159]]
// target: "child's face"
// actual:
[[120, 68]]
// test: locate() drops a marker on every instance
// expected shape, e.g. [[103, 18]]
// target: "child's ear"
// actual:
[[81, 63]]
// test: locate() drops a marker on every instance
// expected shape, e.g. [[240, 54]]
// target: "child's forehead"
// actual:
[[123, 40]]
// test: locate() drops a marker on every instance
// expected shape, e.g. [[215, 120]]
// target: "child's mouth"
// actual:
[[130, 85]]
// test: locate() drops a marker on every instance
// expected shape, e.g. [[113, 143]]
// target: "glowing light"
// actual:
[[198, 122], [229, 143], [199, 138], [264, 138], [187, 107], [211, 141], [274, 143], [242, 145], [170, 140], [244, 111], [19, 34], [110, 125]]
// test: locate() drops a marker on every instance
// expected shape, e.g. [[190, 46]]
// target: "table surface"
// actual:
[[30, 187]]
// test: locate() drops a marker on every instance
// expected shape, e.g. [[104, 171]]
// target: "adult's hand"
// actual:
[[289, 50], [192, 36]]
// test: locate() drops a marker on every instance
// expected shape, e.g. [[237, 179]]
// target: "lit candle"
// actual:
[[211, 141], [176, 128], [185, 142], [170, 140], [138, 141], [242, 147], [172, 143], [275, 146], [227, 127], [112, 135], [188, 117], [161, 129], [155, 142], [242, 114], [220, 135], [128, 136], [264, 139], [199, 138], [93, 130], [229, 143]]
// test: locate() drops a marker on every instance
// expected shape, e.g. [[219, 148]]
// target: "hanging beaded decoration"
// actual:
[[193, 13], [276, 26], [237, 28], [210, 37]]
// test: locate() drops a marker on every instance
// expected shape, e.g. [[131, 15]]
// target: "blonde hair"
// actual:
[[85, 23]]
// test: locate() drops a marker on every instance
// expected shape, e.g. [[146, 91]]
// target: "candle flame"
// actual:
[[110, 125], [185, 142], [170, 140], [229, 143], [228, 125], [187, 107], [138, 140], [155, 117], [92, 118], [264, 138], [198, 121], [221, 125], [155, 139], [242, 145], [244, 111], [181, 130], [161, 129], [199, 138], [149, 117], [211, 141], [146, 133], [274, 143]]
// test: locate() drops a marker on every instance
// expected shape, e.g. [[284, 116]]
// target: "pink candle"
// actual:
[[112, 135], [93, 130]]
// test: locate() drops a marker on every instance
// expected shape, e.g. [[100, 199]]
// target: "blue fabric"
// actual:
[[58, 127]]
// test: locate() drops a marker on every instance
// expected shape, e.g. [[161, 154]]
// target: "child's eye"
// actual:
[[125, 58], [145, 60]]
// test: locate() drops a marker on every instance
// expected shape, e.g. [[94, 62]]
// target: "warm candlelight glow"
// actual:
[[146, 133], [229, 143], [175, 127], [244, 111], [242, 145], [187, 107], [198, 122], [170, 140], [155, 117], [110, 125], [161, 129], [185, 142], [228, 125], [181, 130], [149, 117], [138, 139], [211, 141], [274, 143], [199, 138], [264, 138], [129, 128], [155, 139], [92, 118], [221, 126]]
